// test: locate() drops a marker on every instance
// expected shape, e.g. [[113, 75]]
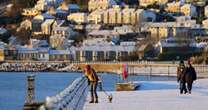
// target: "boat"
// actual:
[[125, 85]]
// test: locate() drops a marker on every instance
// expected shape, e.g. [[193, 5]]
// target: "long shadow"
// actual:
[[156, 86]]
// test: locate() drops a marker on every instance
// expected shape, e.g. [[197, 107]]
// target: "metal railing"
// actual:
[[71, 98]]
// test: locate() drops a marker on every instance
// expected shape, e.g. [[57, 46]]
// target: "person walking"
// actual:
[[190, 76], [181, 72], [93, 82]]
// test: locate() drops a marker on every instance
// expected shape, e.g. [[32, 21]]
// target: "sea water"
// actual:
[[13, 85]]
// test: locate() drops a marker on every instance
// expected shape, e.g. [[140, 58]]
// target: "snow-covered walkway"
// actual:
[[155, 95]]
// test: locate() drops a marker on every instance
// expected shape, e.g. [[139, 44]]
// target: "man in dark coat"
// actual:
[[190, 76], [181, 72]]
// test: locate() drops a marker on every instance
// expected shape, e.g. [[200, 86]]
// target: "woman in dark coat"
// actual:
[[190, 76], [181, 71]]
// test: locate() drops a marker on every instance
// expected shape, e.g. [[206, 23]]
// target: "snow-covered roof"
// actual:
[[101, 47], [27, 50], [73, 7], [101, 33], [58, 52]]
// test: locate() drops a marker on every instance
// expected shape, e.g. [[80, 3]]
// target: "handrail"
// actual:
[[71, 98]]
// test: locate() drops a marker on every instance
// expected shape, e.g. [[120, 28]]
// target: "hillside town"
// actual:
[[107, 30]]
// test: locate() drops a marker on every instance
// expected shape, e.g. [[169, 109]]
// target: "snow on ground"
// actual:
[[155, 95]]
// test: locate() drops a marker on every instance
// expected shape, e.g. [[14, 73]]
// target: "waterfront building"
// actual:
[[60, 55], [10, 53], [43, 54], [24, 53], [103, 51], [100, 4], [79, 18]]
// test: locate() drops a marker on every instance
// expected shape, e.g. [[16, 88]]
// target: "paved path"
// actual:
[[155, 96]]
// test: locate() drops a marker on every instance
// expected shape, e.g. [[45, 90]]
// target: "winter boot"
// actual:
[[96, 101]]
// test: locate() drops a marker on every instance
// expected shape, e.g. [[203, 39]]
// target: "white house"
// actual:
[[67, 32], [46, 26], [188, 10], [78, 17], [43, 5], [43, 54], [100, 4], [60, 55], [96, 16]]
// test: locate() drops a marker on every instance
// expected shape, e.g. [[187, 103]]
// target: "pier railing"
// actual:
[[71, 98]]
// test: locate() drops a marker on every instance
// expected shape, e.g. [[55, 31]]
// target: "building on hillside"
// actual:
[[189, 10], [27, 24], [163, 30], [150, 2], [96, 17], [174, 7], [30, 12], [129, 16], [46, 26], [113, 15], [92, 27], [43, 5], [61, 14], [36, 27], [119, 16], [56, 41], [79, 18], [100, 4], [66, 32], [122, 30]]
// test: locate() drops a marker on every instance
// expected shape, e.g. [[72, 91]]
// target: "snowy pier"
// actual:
[[155, 95]]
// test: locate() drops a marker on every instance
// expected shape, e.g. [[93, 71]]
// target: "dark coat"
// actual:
[[190, 74], [181, 72]]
